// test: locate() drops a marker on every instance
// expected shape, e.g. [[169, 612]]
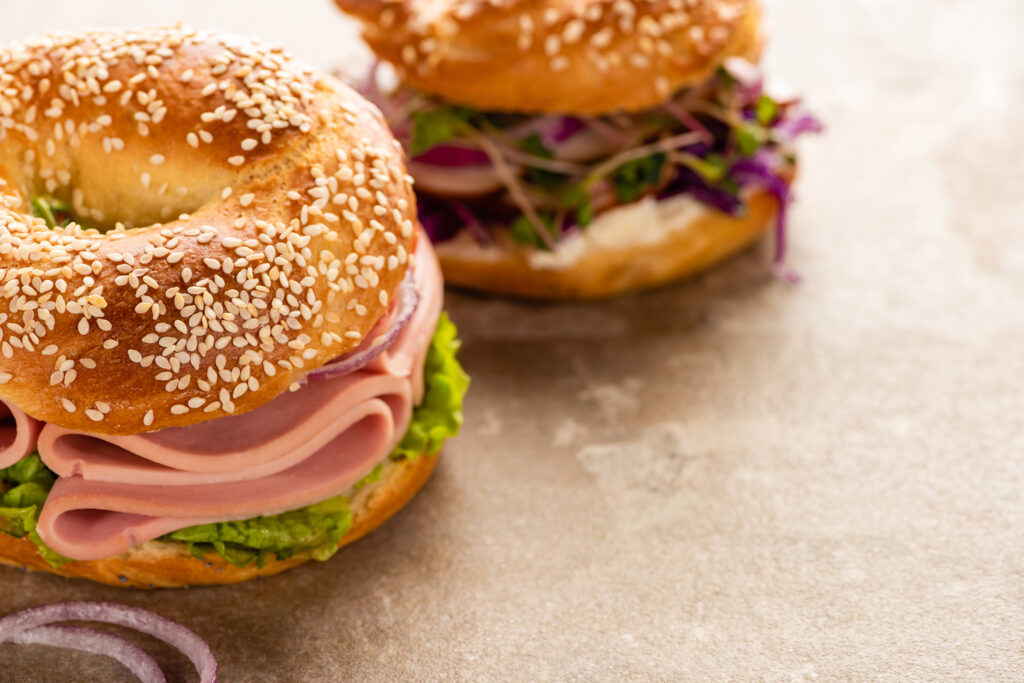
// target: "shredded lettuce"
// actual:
[[315, 529]]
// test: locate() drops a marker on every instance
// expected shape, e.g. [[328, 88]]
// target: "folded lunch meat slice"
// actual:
[[18, 434], [271, 439], [92, 519], [114, 492]]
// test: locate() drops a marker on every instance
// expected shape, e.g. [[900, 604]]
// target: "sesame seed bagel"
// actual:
[[169, 564], [588, 57], [241, 220]]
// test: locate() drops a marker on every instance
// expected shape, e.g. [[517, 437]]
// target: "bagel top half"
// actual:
[[249, 220], [558, 56]]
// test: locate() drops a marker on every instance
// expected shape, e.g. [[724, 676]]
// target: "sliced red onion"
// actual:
[[664, 145], [584, 146], [133, 658], [445, 181], [515, 189], [514, 155], [609, 130], [689, 120], [453, 155], [552, 128], [407, 300], [33, 625]]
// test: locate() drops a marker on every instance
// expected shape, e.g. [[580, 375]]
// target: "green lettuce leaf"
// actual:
[[433, 127], [439, 415], [315, 529], [27, 484], [635, 178]]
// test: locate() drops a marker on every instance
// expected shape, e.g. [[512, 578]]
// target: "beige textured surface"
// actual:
[[732, 479]]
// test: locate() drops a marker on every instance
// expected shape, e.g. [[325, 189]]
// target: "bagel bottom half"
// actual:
[[689, 245], [169, 564]]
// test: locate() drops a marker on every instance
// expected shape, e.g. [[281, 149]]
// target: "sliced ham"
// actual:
[[18, 434], [302, 447], [92, 519], [260, 443]]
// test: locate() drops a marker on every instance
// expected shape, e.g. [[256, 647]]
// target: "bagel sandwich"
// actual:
[[580, 150], [222, 344]]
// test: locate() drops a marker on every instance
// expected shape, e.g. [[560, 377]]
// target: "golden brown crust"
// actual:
[[555, 56], [603, 271], [299, 221], [161, 564]]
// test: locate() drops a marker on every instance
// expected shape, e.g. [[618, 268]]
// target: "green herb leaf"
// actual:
[[54, 211], [45, 207], [712, 168], [584, 213], [431, 127], [750, 137], [577, 200], [534, 146], [767, 110], [635, 178], [524, 232]]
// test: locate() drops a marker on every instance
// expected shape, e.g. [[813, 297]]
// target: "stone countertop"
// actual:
[[728, 479]]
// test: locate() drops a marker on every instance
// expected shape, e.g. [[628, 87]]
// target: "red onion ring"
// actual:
[[407, 300], [453, 181], [33, 626], [133, 658]]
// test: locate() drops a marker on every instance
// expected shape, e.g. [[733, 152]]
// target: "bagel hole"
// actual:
[[55, 212], [91, 204], [58, 213]]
